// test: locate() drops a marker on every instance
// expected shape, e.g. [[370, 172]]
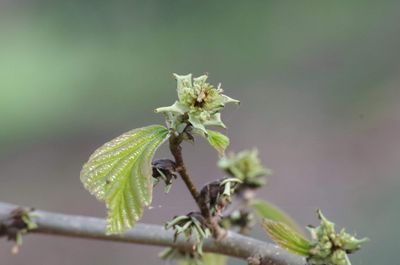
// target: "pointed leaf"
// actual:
[[215, 120], [269, 211], [287, 238], [227, 99], [197, 124], [120, 173], [199, 81], [217, 140], [177, 107], [183, 80]]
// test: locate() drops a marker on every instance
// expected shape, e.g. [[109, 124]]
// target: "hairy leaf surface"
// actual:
[[119, 173]]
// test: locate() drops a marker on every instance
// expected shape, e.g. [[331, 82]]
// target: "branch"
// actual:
[[176, 150], [233, 244]]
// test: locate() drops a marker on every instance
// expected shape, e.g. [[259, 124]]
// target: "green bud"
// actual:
[[326, 227], [199, 102], [245, 166], [326, 247], [330, 247]]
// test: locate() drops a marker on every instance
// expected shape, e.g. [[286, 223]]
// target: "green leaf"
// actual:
[[177, 107], [217, 140], [269, 211], [287, 238], [197, 124], [215, 120], [119, 173]]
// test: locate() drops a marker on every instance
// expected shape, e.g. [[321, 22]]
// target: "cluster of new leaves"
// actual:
[[192, 224], [199, 103], [245, 166], [329, 246], [325, 247], [198, 106]]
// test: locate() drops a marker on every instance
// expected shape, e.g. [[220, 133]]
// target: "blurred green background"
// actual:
[[318, 81]]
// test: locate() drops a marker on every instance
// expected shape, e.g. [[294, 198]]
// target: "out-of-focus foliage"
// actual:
[[287, 238], [246, 166], [267, 210]]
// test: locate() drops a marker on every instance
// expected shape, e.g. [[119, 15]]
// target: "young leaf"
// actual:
[[120, 173], [269, 211], [287, 238], [217, 140]]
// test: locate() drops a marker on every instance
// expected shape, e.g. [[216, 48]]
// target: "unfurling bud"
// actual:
[[192, 224], [330, 247], [165, 170], [326, 246], [199, 104], [246, 166], [217, 194]]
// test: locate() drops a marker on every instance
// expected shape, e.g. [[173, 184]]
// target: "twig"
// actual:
[[176, 150], [233, 244]]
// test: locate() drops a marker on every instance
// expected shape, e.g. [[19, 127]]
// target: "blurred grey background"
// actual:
[[319, 86]]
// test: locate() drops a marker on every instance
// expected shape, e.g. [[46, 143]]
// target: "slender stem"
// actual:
[[233, 244], [176, 150]]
